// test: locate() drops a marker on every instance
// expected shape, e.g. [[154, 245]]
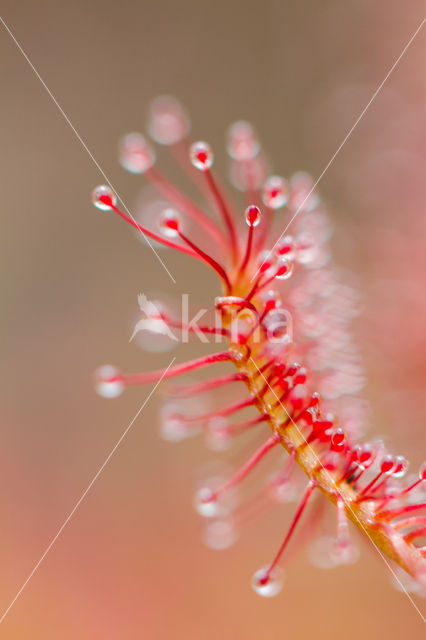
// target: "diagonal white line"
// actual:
[[85, 492], [339, 148], [84, 145], [347, 504]]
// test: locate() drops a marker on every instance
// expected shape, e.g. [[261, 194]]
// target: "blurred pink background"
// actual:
[[131, 563]]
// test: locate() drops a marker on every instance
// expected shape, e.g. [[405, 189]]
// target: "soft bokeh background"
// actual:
[[130, 564]]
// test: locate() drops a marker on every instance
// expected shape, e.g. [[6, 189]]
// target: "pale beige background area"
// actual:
[[130, 564]]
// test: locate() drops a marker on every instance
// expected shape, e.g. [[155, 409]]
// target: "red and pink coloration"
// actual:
[[298, 380]]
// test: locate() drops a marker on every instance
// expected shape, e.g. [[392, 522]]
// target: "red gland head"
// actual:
[[401, 466], [252, 215], [169, 223], [265, 262], [104, 198], [275, 192], [387, 465], [201, 155], [365, 456], [285, 269], [286, 248], [338, 440]]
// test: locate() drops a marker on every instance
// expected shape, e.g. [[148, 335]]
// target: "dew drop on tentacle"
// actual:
[[306, 248], [212, 478], [148, 210], [135, 153], [326, 552], [285, 269], [283, 488], [104, 198], [286, 247], [173, 427], [218, 435], [252, 179], [169, 222], [422, 472], [401, 466], [387, 465], [242, 144], [320, 552], [268, 584], [302, 195], [275, 192], [270, 295], [108, 381], [252, 215], [168, 122], [220, 534], [201, 155]]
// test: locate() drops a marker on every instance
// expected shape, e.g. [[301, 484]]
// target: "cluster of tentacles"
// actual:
[[284, 313]]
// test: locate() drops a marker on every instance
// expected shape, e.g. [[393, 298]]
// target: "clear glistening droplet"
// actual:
[[135, 153], [268, 585], [201, 155], [242, 141], [103, 197], [220, 534], [275, 192], [169, 222], [252, 215], [168, 121], [206, 503], [108, 382]]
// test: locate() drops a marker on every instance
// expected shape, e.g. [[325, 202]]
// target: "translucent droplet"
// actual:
[[169, 222], [401, 466], [271, 295], [321, 552], [104, 198], [346, 553], [252, 215], [285, 269], [364, 456], [246, 178], [266, 262], [302, 195], [174, 429], [275, 192], [387, 465], [220, 534], [338, 439], [108, 381], [267, 584], [306, 248], [201, 155], [242, 141], [285, 247], [283, 489], [218, 436], [168, 121], [206, 503], [135, 153]]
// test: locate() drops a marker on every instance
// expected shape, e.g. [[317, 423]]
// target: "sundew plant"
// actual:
[[282, 318]]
